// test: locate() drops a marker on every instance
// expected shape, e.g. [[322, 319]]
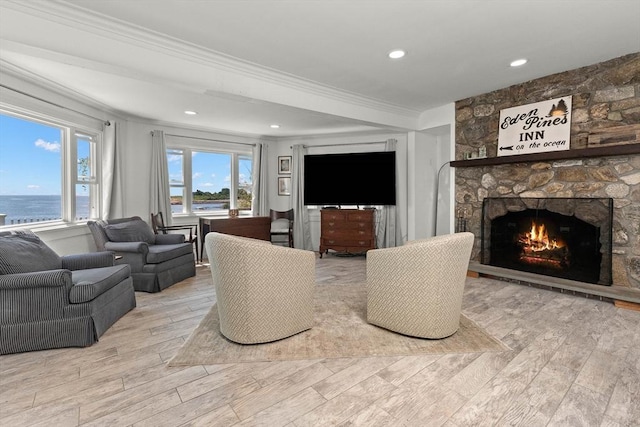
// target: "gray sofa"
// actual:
[[48, 301], [157, 261]]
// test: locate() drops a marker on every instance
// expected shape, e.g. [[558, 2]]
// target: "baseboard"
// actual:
[[627, 305]]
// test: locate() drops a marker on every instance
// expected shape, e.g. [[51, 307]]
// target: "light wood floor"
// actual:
[[574, 362]]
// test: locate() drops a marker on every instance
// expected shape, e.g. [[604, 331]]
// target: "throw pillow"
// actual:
[[25, 253], [135, 230]]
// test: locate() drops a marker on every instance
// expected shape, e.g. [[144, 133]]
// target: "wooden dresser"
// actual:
[[347, 230], [255, 227]]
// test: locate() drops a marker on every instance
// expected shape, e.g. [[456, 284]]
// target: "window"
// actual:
[[48, 171], [86, 182], [203, 181], [245, 184]]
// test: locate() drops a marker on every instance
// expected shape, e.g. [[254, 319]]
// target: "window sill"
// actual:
[[48, 226]]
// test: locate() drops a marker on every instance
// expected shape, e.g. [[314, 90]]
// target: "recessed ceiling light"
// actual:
[[518, 62], [190, 113], [275, 126], [397, 54]]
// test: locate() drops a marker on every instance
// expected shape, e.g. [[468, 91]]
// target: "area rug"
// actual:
[[340, 330]]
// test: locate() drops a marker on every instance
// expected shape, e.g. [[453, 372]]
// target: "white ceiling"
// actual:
[[312, 66]]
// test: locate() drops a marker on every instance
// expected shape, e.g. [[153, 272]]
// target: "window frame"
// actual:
[[187, 149], [95, 171], [70, 134]]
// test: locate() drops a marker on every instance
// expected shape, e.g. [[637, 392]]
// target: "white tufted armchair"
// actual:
[[416, 289], [264, 292]]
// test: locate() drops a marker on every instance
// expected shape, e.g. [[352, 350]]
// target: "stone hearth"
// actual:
[[606, 96], [567, 238]]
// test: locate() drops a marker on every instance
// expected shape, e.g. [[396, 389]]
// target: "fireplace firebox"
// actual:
[[560, 237]]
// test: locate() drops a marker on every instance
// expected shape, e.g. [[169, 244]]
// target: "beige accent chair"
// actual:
[[264, 292], [416, 289]]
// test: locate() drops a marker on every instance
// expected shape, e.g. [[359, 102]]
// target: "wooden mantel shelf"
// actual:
[[601, 151]]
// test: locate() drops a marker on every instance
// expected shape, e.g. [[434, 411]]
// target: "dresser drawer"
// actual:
[[360, 216], [332, 215], [346, 233], [344, 243], [342, 225]]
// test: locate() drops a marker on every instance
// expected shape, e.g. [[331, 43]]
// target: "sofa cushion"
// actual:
[[280, 226], [135, 230], [92, 282], [24, 253], [97, 230], [162, 253]]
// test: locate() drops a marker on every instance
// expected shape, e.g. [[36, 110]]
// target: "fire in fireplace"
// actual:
[[538, 248], [560, 237]]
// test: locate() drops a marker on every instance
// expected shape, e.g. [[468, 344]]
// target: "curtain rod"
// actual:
[[342, 145], [105, 122], [209, 139]]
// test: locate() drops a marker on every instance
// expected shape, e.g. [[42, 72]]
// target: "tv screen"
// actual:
[[350, 179]]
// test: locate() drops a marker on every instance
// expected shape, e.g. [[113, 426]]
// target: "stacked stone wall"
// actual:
[[604, 95]]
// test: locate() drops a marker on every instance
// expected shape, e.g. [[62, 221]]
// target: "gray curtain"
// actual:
[[301, 228], [159, 199], [112, 192], [259, 196], [389, 234]]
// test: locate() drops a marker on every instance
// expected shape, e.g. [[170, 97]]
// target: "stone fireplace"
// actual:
[[605, 98], [561, 237]]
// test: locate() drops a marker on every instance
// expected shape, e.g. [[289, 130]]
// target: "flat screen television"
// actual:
[[350, 179]]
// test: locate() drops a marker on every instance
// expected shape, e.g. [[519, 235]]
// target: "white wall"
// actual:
[[438, 131], [421, 166], [418, 154], [138, 161], [344, 144], [45, 102], [428, 151], [444, 184]]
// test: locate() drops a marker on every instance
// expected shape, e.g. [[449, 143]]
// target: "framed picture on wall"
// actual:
[[284, 186], [284, 165]]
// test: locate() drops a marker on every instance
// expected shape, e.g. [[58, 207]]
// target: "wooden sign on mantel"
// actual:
[[619, 135], [535, 128]]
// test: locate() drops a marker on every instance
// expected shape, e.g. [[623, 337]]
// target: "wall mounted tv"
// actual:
[[350, 179]]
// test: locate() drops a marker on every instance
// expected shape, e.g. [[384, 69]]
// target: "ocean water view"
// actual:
[[199, 206], [26, 209], [202, 207]]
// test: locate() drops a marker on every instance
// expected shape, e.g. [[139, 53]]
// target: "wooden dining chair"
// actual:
[[157, 223], [282, 225]]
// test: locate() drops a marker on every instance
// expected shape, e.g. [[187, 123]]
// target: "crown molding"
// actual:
[[207, 130], [26, 76], [73, 16], [377, 133]]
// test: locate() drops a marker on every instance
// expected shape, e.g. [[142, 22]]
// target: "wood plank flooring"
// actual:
[[574, 362]]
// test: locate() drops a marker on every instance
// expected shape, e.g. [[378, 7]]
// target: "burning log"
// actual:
[[541, 249]]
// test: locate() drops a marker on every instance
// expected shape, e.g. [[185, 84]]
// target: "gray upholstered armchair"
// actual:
[[157, 261], [48, 301]]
